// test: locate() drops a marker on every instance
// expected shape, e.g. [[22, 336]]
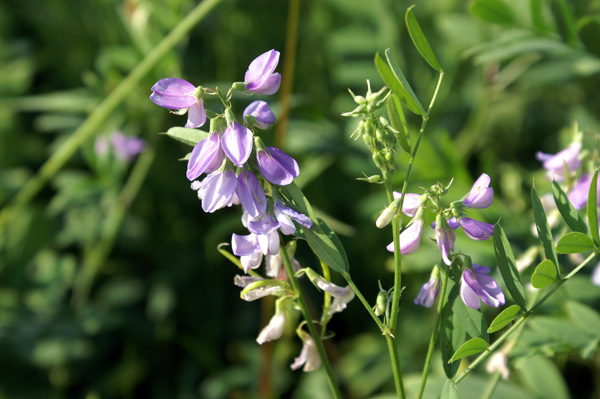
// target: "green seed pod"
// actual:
[[381, 303]]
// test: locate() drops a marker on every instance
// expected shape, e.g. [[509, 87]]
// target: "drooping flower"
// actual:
[[248, 249], [237, 143], [476, 285], [273, 330], [429, 291], [341, 295], [445, 238], [251, 194], [475, 229], [284, 216], [555, 164], [276, 166], [217, 190], [412, 202], [481, 194], [173, 93], [207, 156], [410, 239], [260, 77], [259, 114], [309, 355]]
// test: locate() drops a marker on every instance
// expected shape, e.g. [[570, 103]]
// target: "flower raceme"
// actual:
[[179, 94]]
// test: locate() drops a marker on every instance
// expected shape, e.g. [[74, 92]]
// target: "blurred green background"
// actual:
[[112, 294]]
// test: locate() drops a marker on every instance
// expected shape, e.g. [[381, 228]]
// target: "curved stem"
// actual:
[[325, 317], [90, 126], [289, 270]]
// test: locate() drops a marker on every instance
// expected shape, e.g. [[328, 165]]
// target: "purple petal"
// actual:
[[276, 166], [262, 114], [298, 217], [126, 147], [260, 69], [475, 229], [269, 86], [481, 195], [251, 194], [264, 225], [410, 239], [445, 240], [469, 297], [206, 155], [173, 102], [237, 143], [218, 190], [244, 245], [173, 87], [269, 243], [428, 294], [411, 203], [491, 295], [196, 115]]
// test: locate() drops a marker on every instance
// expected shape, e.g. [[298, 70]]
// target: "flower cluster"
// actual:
[[239, 169], [475, 283]]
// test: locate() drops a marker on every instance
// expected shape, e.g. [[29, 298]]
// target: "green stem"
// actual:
[[489, 390], [289, 270], [96, 257], [90, 126], [434, 333], [365, 303], [522, 320], [325, 317]]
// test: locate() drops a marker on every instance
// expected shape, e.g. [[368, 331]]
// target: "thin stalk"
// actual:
[[522, 320], [489, 390], [97, 256], [365, 303], [325, 317], [92, 123], [289, 270], [434, 333]]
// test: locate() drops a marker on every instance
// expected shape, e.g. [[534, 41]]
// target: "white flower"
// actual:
[[498, 363], [309, 356], [273, 330]]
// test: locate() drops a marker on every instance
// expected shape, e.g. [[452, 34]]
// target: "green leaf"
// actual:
[[398, 121], [584, 316], [507, 266], [543, 228], [565, 21], [471, 347], [588, 29], [569, 214], [537, 15], [187, 136], [542, 377], [592, 209], [544, 274], [495, 11], [505, 317], [450, 390], [574, 243], [322, 240], [471, 319], [452, 333], [419, 40], [395, 80]]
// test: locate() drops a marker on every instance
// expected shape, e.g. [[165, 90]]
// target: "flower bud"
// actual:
[[381, 303], [388, 214]]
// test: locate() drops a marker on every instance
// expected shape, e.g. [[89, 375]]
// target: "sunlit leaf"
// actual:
[[187, 136], [395, 80], [543, 228], [544, 274], [471, 347], [569, 214], [574, 243], [419, 39], [398, 121], [592, 209], [507, 266], [504, 318], [452, 334], [472, 320]]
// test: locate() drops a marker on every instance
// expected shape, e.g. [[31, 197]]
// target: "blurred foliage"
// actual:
[[158, 315]]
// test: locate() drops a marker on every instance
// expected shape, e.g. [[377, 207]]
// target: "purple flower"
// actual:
[[475, 229], [217, 190], [237, 143], [410, 239], [173, 93], [276, 166], [251, 194], [269, 243], [476, 285], [412, 202], [260, 78], [429, 292], [579, 194], [285, 215], [555, 164], [259, 115], [207, 156], [445, 240], [125, 147], [481, 194], [248, 249]]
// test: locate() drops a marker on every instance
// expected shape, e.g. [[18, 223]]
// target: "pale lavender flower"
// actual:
[[262, 225], [273, 330], [269, 243], [173, 93], [237, 143], [285, 215], [248, 249], [259, 115], [429, 292], [309, 356], [217, 190], [476, 285], [259, 77], [475, 229], [276, 166], [555, 164], [251, 194], [341, 295], [412, 202], [410, 239], [481, 194], [580, 193], [445, 238], [125, 147], [207, 156]]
